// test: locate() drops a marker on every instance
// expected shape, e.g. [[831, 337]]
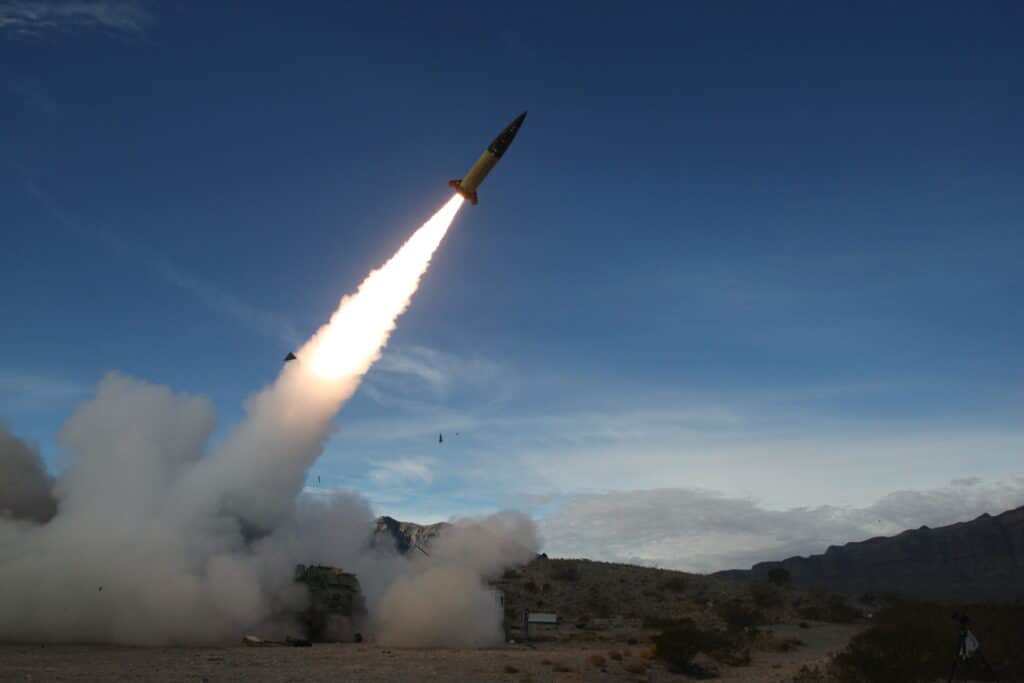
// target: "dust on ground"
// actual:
[[542, 662]]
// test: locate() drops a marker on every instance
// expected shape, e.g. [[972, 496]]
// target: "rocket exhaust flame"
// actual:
[[359, 329], [262, 465], [151, 538]]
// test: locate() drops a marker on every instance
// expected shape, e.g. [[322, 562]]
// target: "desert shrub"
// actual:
[[680, 642], [509, 669], [635, 667], [812, 612], [677, 584], [531, 586], [597, 660], [739, 617], [840, 611], [765, 595], [910, 642], [779, 576], [790, 644], [598, 606], [626, 652], [804, 624], [559, 667], [811, 675], [631, 641], [832, 608], [565, 570], [615, 655], [657, 622]]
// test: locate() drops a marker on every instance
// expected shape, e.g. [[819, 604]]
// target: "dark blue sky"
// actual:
[[768, 249]]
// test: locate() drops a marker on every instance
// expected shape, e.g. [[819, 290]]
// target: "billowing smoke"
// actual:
[[445, 599], [26, 490], [155, 539]]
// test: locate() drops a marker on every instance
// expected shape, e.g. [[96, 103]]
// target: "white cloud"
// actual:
[[31, 17], [403, 470], [702, 530]]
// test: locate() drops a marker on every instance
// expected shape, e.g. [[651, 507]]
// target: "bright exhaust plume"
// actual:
[[150, 536], [352, 340]]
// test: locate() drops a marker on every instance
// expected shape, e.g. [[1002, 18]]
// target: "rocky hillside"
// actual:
[[406, 535], [591, 595], [977, 561]]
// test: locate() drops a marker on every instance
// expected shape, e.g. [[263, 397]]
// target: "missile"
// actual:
[[467, 185]]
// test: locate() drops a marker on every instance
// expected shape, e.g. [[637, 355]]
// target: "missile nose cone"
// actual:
[[506, 136]]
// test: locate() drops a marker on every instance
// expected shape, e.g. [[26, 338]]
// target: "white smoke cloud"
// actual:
[[445, 600], [25, 486], [159, 539]]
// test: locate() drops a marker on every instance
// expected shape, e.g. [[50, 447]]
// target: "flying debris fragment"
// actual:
[[290, 357], [467, 186]]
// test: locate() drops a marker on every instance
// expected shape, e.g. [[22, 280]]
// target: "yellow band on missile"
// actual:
[[480, 169]]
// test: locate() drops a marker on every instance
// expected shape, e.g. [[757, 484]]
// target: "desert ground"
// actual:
[[541, 662]]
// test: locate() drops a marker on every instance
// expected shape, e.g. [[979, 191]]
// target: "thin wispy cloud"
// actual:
[[214, 297], [436, 371], [36, 17], [226, 304], [20, 388]]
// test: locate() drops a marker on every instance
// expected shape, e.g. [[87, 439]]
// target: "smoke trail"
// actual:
[[156, 541], [261, 467]]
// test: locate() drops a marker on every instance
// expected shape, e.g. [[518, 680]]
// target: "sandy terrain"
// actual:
[[545, 662]]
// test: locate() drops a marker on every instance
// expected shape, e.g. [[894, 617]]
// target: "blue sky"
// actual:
[[764, 253]]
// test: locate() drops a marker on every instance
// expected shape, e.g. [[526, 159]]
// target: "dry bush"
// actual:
[[676, 584], [779, 576], [811, 675], [546, 662], [790, 644], [597, 660], [565, 570], [911, 641], [765, 595], [649, 653], [509, 669], [739, 617], [559, 667], [616, 655], [635, 667]]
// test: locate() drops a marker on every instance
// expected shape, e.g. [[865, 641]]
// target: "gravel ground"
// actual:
[[545, 662]]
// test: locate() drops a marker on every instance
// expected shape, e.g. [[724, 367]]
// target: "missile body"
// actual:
[[467, 186]]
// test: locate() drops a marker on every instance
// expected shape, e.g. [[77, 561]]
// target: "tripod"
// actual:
[[967, 647]]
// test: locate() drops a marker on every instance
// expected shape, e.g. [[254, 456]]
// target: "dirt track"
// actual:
[[376, 664]]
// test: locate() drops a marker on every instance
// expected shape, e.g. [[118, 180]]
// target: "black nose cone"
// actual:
[[506, 136]]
